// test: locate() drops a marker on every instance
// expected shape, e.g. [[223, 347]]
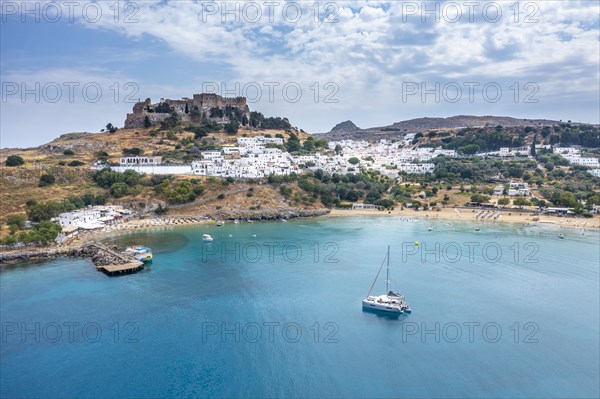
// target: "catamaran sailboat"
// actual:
[[392, 302]]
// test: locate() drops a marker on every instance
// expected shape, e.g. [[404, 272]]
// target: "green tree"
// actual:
[[520, 201], [17, 220], [231, 128], [293, 143], [147, 122], [111, 128], [480, 198], [68, 152], [469, 149], [568, 199], [119, 189], [515, 171], [353, 160], [503, 201]]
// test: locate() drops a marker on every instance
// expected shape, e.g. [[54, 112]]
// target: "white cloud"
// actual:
[[375, 47]]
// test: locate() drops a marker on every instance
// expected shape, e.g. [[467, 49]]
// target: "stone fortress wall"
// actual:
[[203, 102]]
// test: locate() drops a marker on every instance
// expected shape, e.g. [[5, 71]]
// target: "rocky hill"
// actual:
[[345, 127], [348, 130]]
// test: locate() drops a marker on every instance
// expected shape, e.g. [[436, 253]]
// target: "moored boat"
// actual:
[[139, 252], [206, 237], [392, 302]]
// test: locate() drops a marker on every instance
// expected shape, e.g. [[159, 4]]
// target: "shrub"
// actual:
[[161, 210], [76, 163], [14, 160], [9, 240], [18, 220], [132, 152], [220, 196], [68, 152], [46, 180], [119, 189], [101, 154]]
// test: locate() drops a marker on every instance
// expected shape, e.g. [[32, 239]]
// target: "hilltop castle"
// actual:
[[195, 106]]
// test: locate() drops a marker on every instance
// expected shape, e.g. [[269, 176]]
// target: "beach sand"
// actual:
[[507, 216]]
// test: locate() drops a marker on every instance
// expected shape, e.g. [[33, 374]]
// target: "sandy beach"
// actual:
[[476, 215]]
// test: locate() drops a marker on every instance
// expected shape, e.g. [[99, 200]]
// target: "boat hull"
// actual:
[[146, 258], [381, 307]]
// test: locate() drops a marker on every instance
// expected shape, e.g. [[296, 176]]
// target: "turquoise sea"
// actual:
[[275, 311]]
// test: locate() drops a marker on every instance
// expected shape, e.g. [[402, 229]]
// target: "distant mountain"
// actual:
[[348, 130], [345, 127]]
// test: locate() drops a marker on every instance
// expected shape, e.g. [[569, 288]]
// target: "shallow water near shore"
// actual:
[[275, 311]]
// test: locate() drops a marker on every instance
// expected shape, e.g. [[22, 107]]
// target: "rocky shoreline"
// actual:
[[28, 254], [86, 248]]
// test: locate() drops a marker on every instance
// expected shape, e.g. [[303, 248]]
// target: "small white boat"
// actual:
[[220, 223], [139, 252], [253, 235], [236, 221], [206, 237], [230, 235], [431, 228], [561, 236]]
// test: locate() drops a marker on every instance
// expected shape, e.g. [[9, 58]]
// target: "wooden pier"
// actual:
[[108, 260], [124, 268]]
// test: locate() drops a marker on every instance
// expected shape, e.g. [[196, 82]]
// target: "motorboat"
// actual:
[[206, 237], [139, 252]]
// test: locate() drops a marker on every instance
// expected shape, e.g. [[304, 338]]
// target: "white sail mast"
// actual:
[[388, 282]]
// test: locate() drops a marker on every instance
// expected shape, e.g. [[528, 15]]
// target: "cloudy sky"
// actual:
[[75, 66]]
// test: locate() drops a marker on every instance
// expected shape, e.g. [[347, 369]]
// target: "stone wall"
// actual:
[[203, 101]]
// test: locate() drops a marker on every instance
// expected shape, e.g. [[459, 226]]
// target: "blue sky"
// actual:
[[372, 62]]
